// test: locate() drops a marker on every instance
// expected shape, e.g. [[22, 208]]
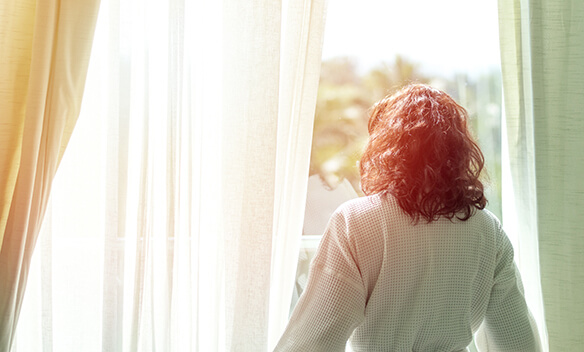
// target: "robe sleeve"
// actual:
[[508, 324], [333, 303]]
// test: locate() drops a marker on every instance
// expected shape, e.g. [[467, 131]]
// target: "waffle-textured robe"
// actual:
[[390, 285]]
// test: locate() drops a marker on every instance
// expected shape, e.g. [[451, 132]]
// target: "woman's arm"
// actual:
[[508, 324], [333, 304]]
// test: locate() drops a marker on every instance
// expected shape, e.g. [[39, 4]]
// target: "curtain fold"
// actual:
[[542, 48], [189, 164], [46, 48], [251, 78], [303, 34]]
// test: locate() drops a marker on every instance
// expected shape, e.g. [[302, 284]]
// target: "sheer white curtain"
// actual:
[[542, 48], [176, 215]]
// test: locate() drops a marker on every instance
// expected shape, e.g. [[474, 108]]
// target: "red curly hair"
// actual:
[[421, 151]]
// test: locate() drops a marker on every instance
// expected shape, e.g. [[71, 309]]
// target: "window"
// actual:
[[374, 48]]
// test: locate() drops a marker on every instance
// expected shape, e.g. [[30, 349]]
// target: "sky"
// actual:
[[443, 36]]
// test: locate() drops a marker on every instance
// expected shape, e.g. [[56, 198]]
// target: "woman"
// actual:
[[418, 264]]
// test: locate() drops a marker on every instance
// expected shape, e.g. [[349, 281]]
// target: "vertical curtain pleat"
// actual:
[[542, 51], [116, 30], [174, 160], [520, 211], [251, 50], [302, 39], [203, 109], [558, 82], [16, 33], [40, 116]]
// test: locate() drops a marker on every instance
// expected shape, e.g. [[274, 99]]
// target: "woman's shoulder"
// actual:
[[369, 209], [485, 218], [361, 205]]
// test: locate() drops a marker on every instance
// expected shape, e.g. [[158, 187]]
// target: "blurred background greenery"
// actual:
[[345, 94]]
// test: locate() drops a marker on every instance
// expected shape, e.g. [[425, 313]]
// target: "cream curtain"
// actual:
[[45, 53], [542, 48], [175, 219]]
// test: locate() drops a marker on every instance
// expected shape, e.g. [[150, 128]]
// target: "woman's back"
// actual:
[[428, 284], [398, 286]]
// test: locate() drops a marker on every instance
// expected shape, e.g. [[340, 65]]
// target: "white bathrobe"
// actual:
[[390, 285]]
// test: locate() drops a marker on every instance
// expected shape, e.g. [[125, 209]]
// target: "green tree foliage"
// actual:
[[344, 98]]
